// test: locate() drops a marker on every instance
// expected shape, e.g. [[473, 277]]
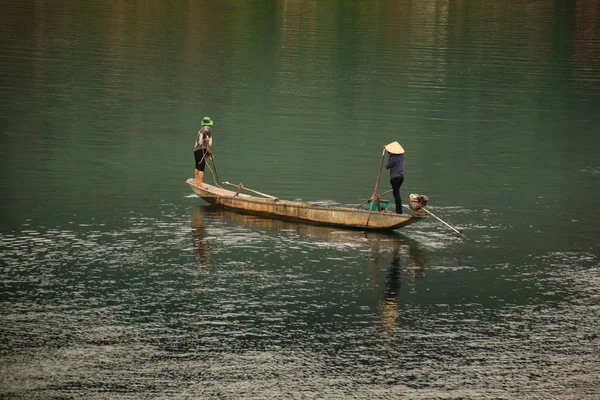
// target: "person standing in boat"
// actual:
[[202, 150], [395, 164]]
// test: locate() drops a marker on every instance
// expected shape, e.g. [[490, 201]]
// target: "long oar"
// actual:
[[376, 185], [240, 186], [458, 233]]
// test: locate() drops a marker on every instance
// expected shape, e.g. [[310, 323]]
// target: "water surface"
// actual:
[[118, 283]]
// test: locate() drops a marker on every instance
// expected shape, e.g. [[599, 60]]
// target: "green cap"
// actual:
[[206, 121]]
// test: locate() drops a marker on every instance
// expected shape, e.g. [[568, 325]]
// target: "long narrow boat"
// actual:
[[320, 214]]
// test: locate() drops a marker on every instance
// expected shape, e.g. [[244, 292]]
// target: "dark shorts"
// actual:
[[200, 156]]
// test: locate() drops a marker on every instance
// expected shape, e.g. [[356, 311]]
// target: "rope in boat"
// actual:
[[216, 179], [213, 172], [367, 200]]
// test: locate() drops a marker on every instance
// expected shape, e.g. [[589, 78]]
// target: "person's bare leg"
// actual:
[[196, 173], [200, 179]]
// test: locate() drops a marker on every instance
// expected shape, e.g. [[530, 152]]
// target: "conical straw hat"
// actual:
[[394, 148]]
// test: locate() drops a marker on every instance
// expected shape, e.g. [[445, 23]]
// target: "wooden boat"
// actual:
[[320, 214]]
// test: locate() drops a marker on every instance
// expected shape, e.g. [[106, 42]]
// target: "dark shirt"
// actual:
[[396, 165]]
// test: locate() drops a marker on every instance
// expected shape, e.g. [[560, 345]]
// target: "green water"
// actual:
[[118, 283]]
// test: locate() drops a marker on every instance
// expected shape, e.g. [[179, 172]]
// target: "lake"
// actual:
[[119, 283]]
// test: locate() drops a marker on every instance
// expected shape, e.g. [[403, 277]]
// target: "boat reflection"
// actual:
[[383, 239], [407, 258]]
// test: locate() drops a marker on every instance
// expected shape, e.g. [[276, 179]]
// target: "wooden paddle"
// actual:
[[458, 233]]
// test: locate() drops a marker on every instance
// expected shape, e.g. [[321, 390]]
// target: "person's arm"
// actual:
[[389, 164], [210, 154]]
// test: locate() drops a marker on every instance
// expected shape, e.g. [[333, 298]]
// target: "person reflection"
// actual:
[[201, 250], [388, 306]]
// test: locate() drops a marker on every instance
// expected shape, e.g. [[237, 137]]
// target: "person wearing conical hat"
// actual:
[[395, 164], [202, 150]]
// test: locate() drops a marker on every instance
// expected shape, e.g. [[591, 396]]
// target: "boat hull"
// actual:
[[302, 211]]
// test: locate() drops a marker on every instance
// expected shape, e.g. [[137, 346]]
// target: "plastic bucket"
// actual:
[[373, 205]]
